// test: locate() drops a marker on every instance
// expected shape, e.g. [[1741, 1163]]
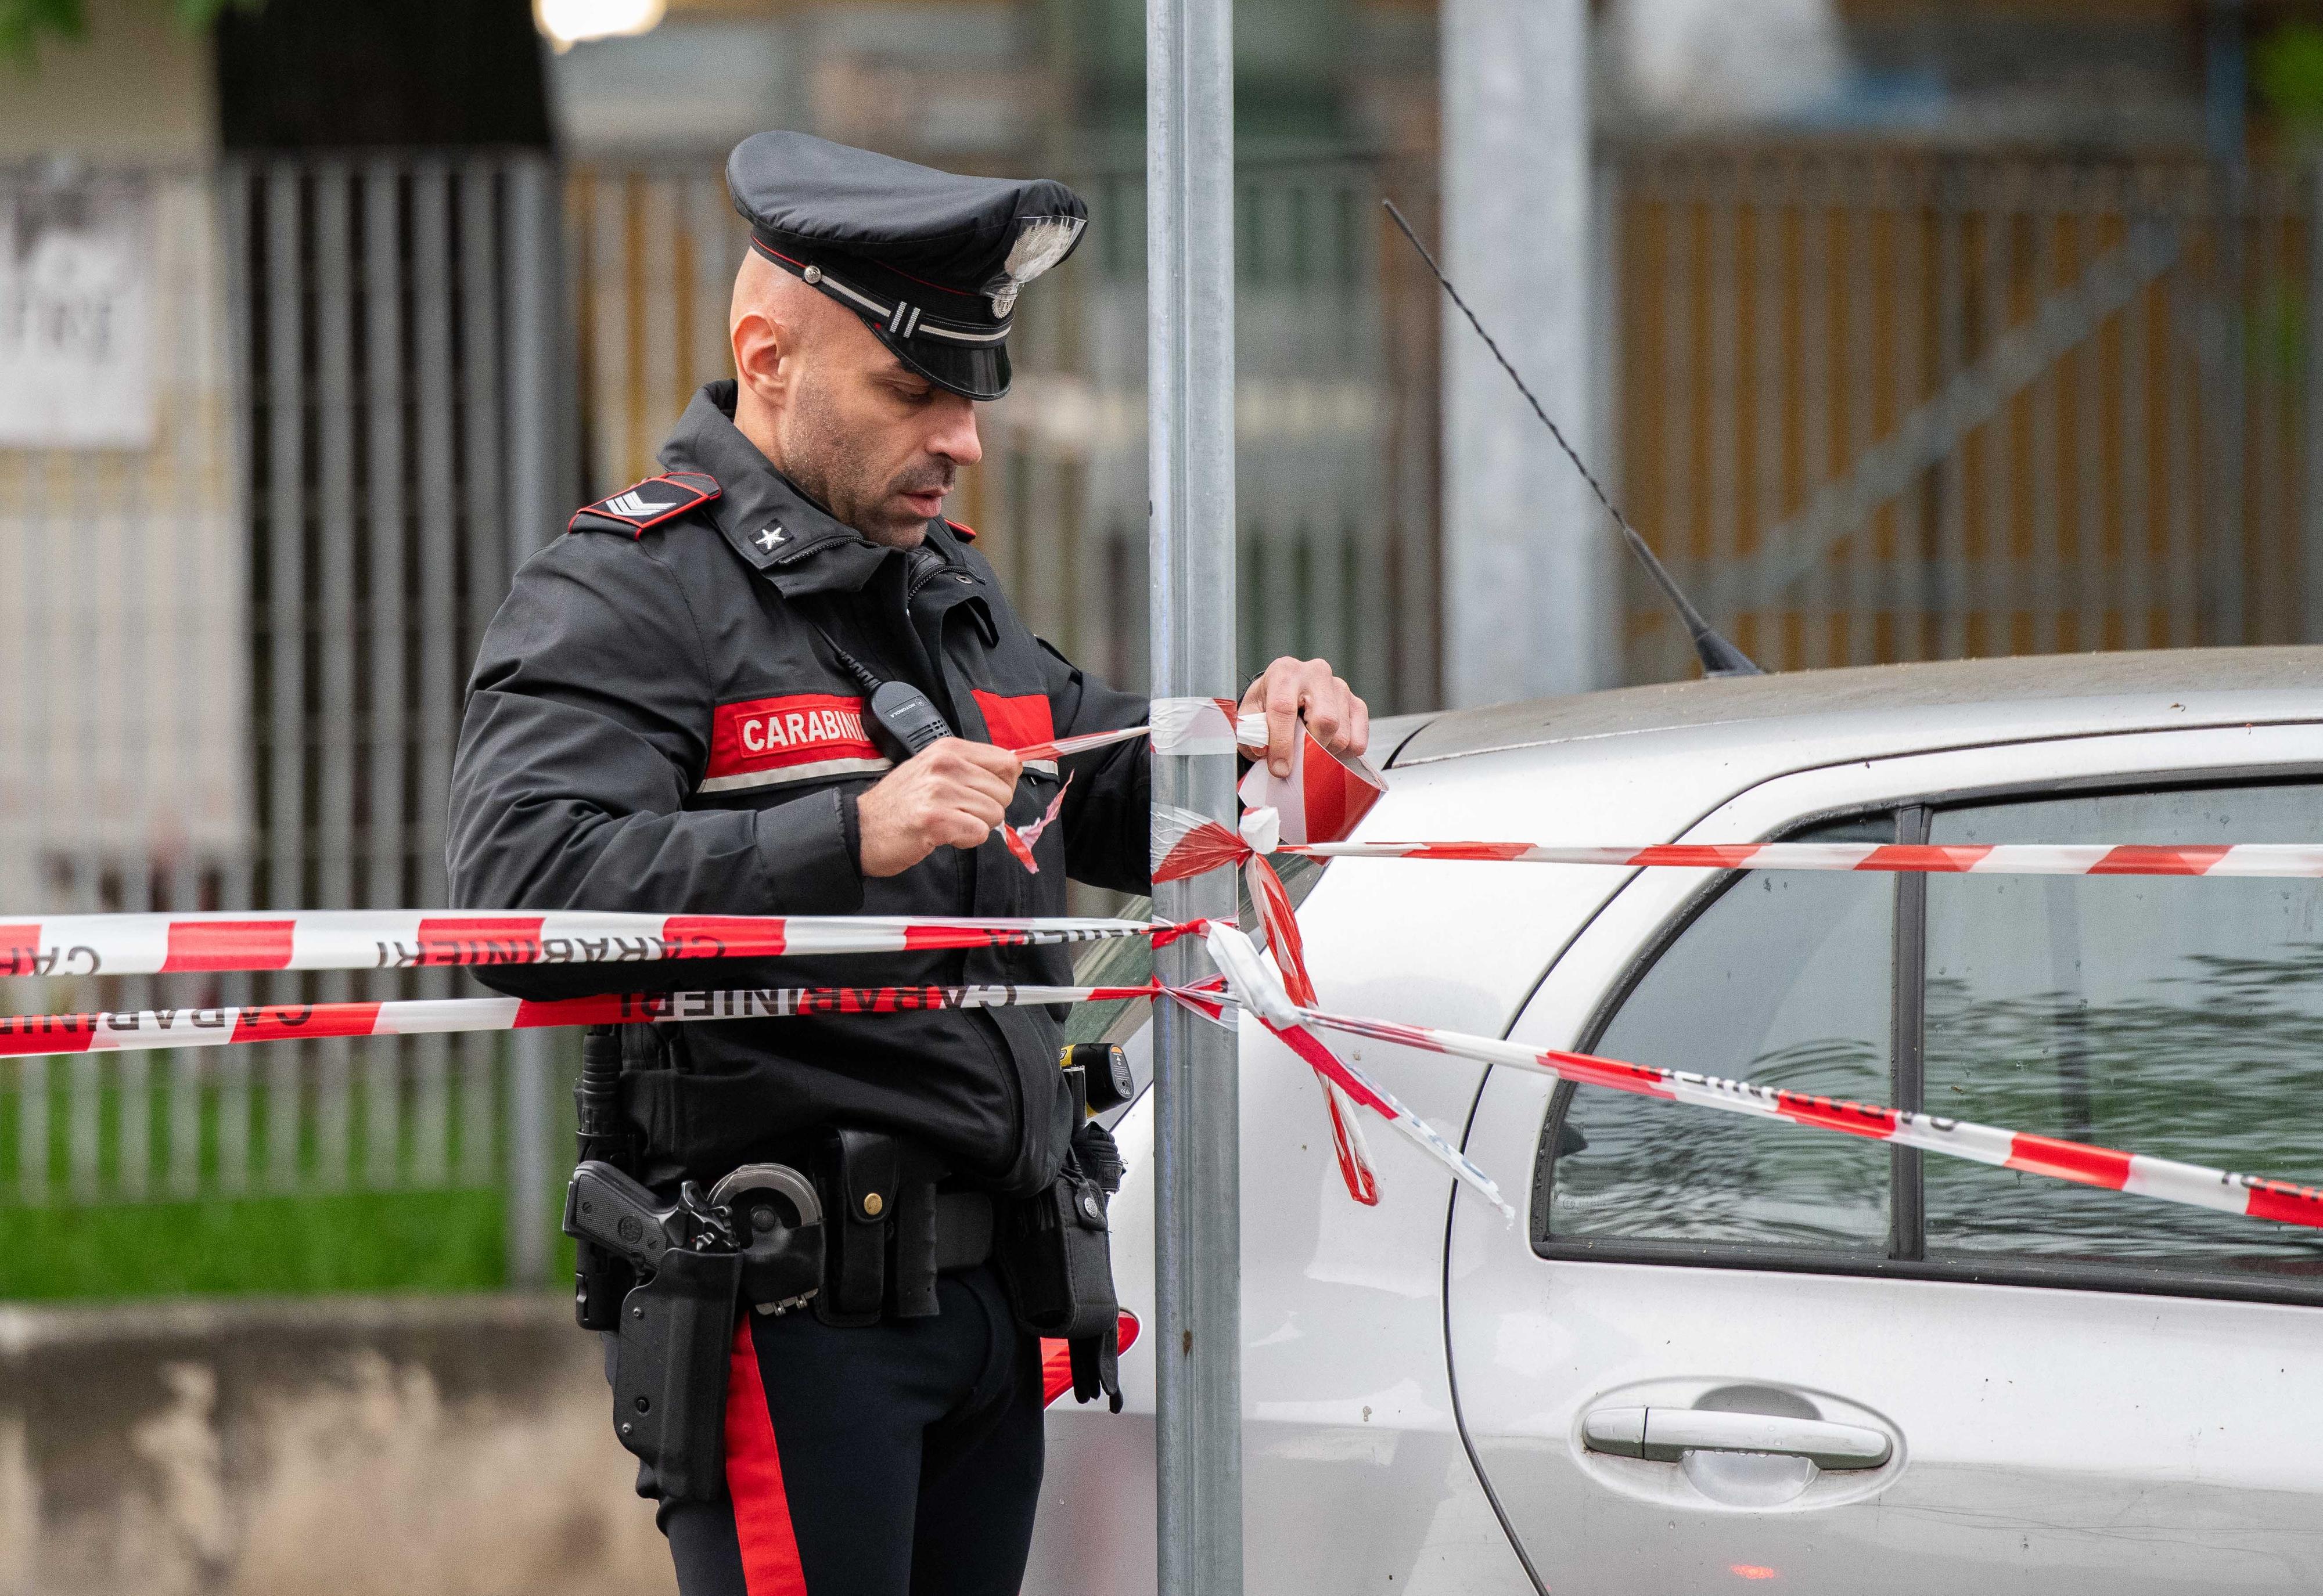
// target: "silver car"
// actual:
[[1714, 1353]]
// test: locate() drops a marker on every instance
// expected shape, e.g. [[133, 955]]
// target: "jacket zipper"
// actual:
[[922, 571]]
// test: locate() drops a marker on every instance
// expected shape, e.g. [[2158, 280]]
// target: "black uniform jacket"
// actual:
[[655, 724]]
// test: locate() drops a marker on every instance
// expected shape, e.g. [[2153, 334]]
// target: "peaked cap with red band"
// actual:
[[932, 261]]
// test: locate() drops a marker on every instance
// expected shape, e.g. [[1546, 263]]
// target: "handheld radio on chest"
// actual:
[[904, 713], [901, 713]]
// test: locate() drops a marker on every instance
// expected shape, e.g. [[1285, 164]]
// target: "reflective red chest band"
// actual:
[[1019, 720]]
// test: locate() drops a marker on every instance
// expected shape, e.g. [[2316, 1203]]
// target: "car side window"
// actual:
[[2151, 1015], [1783, 978]]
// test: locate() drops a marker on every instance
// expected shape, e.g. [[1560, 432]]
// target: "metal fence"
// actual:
[[123, 627], [352, 453], [1884, 405]]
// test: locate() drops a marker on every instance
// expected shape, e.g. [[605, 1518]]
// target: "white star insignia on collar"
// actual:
[[772, 536]]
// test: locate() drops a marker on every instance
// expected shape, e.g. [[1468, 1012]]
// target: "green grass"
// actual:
[[434, 1241], [369, 1241]]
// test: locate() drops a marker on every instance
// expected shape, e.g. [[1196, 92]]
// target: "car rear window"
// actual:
[[1784, 980], [2159, 1015]]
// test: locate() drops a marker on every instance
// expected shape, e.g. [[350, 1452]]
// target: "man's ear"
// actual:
[[761, 347]]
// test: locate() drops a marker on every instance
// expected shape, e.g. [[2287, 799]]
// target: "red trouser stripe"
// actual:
[[754, 1479]]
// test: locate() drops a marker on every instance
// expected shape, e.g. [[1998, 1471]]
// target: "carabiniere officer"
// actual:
[[670, 714]]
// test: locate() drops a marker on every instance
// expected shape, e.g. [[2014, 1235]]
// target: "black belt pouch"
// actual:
[[670, 1371], [860, 1173], [1055, 1252], [880, 1252]]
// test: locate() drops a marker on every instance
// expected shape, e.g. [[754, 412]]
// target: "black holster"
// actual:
[[676, 1334], [1055, 1251]]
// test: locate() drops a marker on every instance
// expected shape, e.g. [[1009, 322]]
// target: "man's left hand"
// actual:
[[1337, 718]]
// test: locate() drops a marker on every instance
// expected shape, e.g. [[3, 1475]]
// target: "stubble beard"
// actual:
[[818, 456]]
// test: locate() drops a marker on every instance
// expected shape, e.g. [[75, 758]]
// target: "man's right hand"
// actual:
[[950, 795]]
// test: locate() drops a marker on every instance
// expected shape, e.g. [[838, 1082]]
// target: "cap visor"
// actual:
[[976, 371]]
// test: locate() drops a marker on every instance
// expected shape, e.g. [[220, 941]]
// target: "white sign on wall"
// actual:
[[124, 620], [76, 319]]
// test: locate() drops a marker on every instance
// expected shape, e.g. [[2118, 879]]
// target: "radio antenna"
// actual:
[[1719, 657]]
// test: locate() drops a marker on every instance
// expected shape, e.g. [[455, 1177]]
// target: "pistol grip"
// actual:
[[605, 1207]]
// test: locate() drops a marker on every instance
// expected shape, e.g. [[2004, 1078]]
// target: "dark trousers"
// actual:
[[898, 1459]]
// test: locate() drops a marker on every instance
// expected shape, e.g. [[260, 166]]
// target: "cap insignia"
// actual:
[[1040, 243]]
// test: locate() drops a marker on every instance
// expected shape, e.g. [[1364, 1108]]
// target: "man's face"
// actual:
[[878, 445]]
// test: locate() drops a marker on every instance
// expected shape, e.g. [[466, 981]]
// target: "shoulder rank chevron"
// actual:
[[649, 503]]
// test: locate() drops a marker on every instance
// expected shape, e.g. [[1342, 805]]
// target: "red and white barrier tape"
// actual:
[[29, 1034], [1281, 924], [1316, 798], [1204, 726], [1020, 842], [1323, 797], [1267, 995], [2139, 1174], [1065, 747], [362, 940], [1258, 990], [1186, 844], [1998, 858], [1176, 725]]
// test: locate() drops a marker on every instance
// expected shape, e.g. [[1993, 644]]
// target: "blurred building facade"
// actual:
[[1924, 329], [124, 614], [1978, 328], [1921, 329]]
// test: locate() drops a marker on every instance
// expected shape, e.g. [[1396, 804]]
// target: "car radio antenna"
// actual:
[[1719, 657]]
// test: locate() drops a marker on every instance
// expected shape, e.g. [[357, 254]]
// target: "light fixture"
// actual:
[[567, 22]]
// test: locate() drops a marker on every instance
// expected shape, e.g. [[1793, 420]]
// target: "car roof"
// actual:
[[2038, 694]]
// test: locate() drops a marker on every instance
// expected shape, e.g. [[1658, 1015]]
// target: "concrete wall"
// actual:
[[452, 1446]]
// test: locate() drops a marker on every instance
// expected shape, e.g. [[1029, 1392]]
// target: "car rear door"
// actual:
[[1727, 1353]]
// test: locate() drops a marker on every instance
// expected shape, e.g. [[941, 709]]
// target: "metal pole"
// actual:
[[1189, 409], [533, 446], [1532, 593]]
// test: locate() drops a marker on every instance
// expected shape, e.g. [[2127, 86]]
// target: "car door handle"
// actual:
[[1661, 1435]]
